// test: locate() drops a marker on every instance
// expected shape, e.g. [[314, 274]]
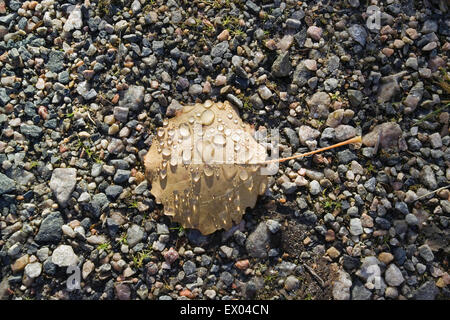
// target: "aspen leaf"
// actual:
[[205, 166]]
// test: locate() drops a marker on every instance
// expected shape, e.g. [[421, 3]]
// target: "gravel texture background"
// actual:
[[84, 85]]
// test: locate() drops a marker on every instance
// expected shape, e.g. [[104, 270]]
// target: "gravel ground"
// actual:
[[84, 85]]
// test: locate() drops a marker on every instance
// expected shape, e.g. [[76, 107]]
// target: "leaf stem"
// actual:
[[357, 139]]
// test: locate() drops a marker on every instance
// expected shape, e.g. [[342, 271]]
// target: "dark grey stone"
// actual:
[[189, 267], [30, 130], [227, 278], [257, 243], [50, 229], [346, 156], [293, 137], [282, 66], [7, 185], [4, 97], [235, 100], [359, 292], [55, 61], [113, 191], [355, 97], [358, 33], [122, 176], [252, 7], [219, 49], [427, 291]]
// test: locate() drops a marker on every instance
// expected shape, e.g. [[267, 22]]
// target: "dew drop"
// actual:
[[208, 104], [166, 152], [243, 174], [191, 120], [230, 116], [165, 122], [207, 117], [249, 183], [236, 137], [169, 211], [227, 131], [160, 132], [184, 130], [206, 149], [163, 173], [262, 188], [229, 171], [194, 207], [219, 140], [186, 155], [196, 176], [208, 171]]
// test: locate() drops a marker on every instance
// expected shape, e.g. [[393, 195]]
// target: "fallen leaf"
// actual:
[[205, 166]]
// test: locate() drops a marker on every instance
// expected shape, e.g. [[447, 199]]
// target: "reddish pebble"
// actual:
[[314, 33], [223, 35], [154, 84], [115, 99], [186, 293], [206, 87], [387, 52], [128, 64], [32, 5], [88, 74], [62, 148], [220, 80], [271, 44], [9, 108], [330, 236], [242, 264], [171, 256], [42, 111]]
